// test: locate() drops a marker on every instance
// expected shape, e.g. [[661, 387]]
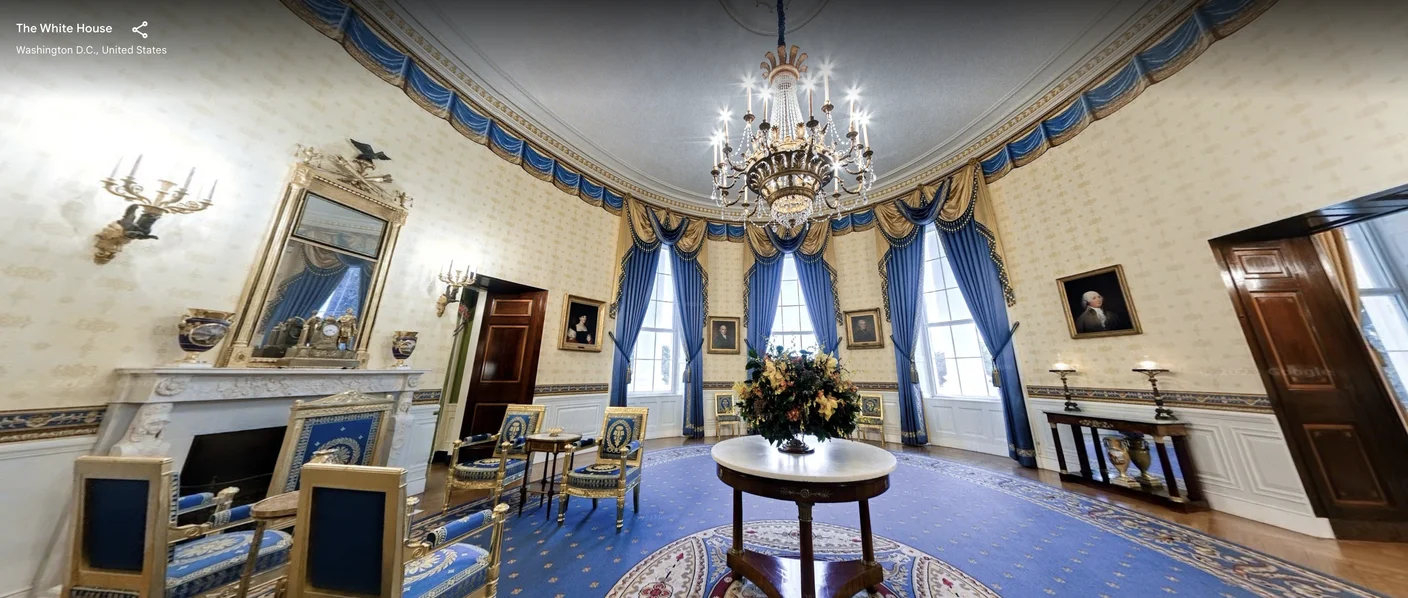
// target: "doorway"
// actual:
[[1327, 355], [505, 367]]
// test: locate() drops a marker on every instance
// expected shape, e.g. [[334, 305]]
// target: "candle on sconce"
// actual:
[[212, 190], [114, 169], [189, 176], [134, 166]]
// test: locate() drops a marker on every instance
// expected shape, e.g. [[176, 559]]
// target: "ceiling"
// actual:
[[637, 85]]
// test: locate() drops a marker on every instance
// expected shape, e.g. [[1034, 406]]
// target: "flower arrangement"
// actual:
[[791, 394]]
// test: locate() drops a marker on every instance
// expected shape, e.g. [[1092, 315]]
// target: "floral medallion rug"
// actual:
[[943, 530]]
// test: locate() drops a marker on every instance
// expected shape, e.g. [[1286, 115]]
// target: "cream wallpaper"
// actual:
[[726, 300], [243, 83], [858, 285], [1305, 107]]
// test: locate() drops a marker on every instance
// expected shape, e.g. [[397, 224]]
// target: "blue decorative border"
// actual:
[[42, 424], [571, 389], [1183, 398]]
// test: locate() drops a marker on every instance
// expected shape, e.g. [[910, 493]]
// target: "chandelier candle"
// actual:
[[789, 161]]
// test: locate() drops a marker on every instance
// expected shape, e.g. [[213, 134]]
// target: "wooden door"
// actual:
[[1334, 408], [506, 360]]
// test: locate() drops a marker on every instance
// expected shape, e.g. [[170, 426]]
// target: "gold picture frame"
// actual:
[[576, 308], [1115, 316], [719, 340], [871, 335]]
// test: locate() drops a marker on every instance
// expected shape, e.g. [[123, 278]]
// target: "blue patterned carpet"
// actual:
[[947, 529]]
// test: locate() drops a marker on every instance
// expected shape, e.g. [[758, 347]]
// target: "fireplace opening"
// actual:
[[244, 459]]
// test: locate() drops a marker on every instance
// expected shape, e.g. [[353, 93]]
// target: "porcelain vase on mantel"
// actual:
[[402, 345], [200, 330]]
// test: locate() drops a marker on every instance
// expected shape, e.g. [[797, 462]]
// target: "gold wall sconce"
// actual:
[[1063, 369], [136, 223], [1150, 368], [454, 280]]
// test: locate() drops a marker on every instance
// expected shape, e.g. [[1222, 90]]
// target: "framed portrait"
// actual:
[[581, 324], [723, 335], [1097, 303], [863, 329]]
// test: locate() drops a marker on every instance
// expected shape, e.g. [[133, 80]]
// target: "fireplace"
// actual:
[[242, 458]]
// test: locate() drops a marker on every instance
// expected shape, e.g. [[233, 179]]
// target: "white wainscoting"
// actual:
[[968, 424], [582, 414], [38, 483], [1242, 461], [416, 456]]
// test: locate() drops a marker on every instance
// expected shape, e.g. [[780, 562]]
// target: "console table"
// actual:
[[1126, 447], [839, 471]]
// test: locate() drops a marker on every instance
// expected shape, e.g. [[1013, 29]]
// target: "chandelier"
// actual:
[[791, 170]]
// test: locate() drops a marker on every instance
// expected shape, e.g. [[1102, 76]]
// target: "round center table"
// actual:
[[839, 471]]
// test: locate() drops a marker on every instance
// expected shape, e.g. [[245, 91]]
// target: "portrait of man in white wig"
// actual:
[[1095, 317]]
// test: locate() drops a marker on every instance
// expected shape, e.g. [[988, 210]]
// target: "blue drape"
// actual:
[[304, 293], [816, 278], [637, 280], [904, 268], [764, 282], [968, 250], [689, 302]]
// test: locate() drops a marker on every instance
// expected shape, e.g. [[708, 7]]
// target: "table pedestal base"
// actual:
[[782, 577]]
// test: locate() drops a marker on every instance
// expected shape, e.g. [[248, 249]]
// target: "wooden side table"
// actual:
[[271, 512], [1130, 438], [839, 471], [553, 445]]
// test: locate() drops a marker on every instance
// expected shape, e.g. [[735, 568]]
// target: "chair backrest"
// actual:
[[351, 532], [122, 509], [521, 420], [724, 404], [619, 427], [872, 409], [353, 425]]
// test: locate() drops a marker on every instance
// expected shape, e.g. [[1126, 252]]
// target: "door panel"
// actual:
[[1338, 417], [505, 362]]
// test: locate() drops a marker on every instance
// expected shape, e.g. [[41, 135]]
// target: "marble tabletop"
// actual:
[[835, 461]]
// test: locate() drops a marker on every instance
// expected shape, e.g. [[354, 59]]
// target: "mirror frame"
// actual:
[[305, 179]]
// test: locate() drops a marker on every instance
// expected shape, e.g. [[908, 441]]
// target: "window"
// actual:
[[949, 346], [1377, 249], [657, 360], [792, 325]]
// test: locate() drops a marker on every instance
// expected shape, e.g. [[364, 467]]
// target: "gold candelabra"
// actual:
[[1152, 370], [1063, 369], [136, 222], [454, 281]]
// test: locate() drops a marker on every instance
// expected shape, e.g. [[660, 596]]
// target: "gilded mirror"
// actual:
[[313, 295]]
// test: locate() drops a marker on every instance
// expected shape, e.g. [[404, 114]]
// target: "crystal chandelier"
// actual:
[[791, 170]]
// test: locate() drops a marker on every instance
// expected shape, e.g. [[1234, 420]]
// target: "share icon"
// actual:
[[138, 30]]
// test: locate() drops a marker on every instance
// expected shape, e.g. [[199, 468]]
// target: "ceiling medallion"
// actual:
[[788, 164]]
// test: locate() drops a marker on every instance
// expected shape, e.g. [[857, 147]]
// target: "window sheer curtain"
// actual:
[[763, 280], [688, 252]]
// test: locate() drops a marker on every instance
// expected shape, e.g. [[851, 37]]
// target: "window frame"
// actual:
[[928, 375], [804, 318], [664, 272]]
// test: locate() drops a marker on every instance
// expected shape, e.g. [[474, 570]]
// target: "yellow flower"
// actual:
[[740, 389], [826, 405]]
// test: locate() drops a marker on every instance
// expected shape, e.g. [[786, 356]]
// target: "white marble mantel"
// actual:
[[160, 411]]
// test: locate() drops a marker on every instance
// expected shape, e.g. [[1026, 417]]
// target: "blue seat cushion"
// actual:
[[601, 475], [727, 418], [486, 469], [454, 571], [205, 563]]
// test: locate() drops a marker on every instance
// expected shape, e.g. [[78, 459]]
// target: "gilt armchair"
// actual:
[[617, 467], [872, 417], [726, 415], [353, 426], [126, 541], [509, 463], [353, 541]]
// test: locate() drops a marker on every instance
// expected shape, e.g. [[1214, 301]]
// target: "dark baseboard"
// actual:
[[1372, 531]]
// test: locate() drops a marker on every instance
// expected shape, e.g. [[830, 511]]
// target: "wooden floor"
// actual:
[[1376, 565]]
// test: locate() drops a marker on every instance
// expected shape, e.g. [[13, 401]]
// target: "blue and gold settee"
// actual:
[[333, 559], [508, 465], [126, 542], [349, 426], [617, 467]]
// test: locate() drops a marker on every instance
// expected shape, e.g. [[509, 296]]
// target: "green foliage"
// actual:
[[788, 394]]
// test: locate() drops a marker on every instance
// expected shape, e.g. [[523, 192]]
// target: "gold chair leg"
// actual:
[[620, 511], [562, 509]]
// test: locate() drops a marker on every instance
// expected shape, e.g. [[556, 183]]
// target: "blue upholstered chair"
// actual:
[[334, 559], [509, 464], [617, 467], [354, 427], [872, 417], [726, 414], [126, 543]]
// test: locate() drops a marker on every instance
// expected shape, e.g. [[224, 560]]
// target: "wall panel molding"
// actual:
[[1173, 398]]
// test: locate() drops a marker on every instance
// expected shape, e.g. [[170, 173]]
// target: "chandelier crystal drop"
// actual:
[[790, 170]]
